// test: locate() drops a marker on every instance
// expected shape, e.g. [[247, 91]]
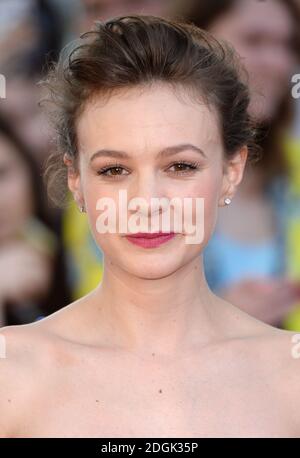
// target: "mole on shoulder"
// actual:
[[160, 391], [153, 354]]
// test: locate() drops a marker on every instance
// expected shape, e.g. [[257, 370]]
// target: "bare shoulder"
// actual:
[[31, 353], [288, 351], [288, 348], [270, 356], [279, 353], [25, 351], [278, 350]]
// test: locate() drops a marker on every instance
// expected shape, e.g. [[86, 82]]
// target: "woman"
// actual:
[[31, 258], [150, 108], [254, 266]]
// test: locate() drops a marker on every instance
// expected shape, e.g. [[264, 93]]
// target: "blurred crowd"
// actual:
[[48, 257]]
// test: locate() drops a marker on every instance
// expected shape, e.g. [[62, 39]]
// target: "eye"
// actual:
[[184, 167], [112, 171]]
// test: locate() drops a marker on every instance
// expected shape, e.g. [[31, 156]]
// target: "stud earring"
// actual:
[[82, 209], [227, 201]]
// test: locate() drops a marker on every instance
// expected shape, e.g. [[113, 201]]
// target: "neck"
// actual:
[[166, 315]]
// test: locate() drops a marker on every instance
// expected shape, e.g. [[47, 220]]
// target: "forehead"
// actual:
[[148, 117]]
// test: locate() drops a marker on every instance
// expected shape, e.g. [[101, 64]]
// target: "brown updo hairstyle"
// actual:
[[137, 50]]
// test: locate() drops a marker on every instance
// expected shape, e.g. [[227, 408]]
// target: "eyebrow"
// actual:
[[166, 152]]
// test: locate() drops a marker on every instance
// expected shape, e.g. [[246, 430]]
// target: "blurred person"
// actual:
[[17, 35], [142, 106], [31, 36], [31, 32], [20, 107], [104, 9], [251, 259], [31, 273]]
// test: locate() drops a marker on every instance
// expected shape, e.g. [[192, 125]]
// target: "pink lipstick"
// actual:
[[150, 240]]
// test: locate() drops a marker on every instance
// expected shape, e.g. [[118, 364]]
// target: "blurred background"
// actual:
[[48, 257]]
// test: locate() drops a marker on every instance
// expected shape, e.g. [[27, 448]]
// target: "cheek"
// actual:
[[208, 185], [209, 189], [93, 192]]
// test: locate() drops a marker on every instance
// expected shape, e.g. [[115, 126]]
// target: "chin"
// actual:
[[146, 263], [153, 274], [153, 269]]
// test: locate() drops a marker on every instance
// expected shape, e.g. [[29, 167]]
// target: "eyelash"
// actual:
[[105, 169], [192, 167]]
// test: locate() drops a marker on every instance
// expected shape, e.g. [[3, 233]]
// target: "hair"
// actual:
[[136, 50], [204, 14]]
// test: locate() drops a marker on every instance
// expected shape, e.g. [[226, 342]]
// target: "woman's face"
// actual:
[[142, 124], [16, 203], [261, 32]]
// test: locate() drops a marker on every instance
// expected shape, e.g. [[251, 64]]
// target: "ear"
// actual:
[[74, 182], [233, 173]]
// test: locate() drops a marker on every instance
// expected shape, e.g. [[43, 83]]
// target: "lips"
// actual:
[[150, 240]]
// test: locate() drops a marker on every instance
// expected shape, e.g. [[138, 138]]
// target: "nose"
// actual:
[[145, 188]]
